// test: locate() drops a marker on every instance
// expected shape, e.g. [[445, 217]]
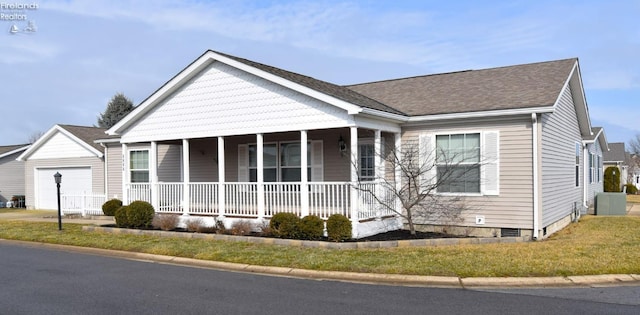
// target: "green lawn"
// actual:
[[595, 245]]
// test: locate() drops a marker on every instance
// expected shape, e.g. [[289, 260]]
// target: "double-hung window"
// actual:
[[366, 163], [270, 162], [281, 162], [139, 166], [290, 158], [458, 163]]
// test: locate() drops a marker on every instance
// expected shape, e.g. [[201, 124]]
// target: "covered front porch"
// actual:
[[256, 176]]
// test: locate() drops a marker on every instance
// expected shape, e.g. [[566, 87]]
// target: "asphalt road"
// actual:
[[45, 281]]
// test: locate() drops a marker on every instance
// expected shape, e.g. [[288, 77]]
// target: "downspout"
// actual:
[[106, 173], [534, 124], [585, 178]]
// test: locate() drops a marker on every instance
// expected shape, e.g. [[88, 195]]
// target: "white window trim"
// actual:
[[481, 171], [278, 166], [130, 170], [371, 142], [483, 157]]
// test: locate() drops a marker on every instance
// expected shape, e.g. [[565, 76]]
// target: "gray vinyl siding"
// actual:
[[11, 177], [597, 186], [203, 158], [513, 207], [97, 173], [169, 163], [114, 170], [560, 133]]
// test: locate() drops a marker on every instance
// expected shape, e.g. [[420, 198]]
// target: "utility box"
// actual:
[[611, 203]]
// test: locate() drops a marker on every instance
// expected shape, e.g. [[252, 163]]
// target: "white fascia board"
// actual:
[[350, 108], [385, 115], [490, 113], [111, 140], [14, 151], [163, 91], [55, 129], [36, 145], [583, 113]]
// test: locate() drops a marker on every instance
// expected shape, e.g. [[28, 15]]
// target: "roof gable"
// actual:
[[77, 141], [616, 153], [335, 95]]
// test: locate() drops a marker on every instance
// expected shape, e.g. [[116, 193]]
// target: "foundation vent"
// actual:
[[509, 232]]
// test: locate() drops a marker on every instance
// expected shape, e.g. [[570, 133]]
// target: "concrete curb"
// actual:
[[387, 279]]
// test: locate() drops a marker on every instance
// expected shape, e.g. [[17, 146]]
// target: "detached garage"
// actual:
[[71, 151], [75, 181]]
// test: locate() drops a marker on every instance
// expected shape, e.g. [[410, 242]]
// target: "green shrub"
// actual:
[[110, 207], [631, 189], [338, 228], [121, 217], [285, 225], [311, 228], [612, 179], [140, 214]]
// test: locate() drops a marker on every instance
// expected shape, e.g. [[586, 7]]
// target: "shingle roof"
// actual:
[[616, 153], [9, 148], [594, 133], [512, 87], [337, 91], [88, 134]]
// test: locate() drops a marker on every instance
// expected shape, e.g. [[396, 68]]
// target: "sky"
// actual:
[[66, 59]]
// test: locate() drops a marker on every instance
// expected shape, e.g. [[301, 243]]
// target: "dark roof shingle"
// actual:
[[512, 87], [9, 148], [616, 153], [89, 134]]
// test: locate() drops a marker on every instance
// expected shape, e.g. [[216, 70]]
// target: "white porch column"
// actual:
[[304, 178], [379, 169], [260, 175], [354, 178], [153, 175], [186, 200], [397, 178], [221, 178], [125, 181]]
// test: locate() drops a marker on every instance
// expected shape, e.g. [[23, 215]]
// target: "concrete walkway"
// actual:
[[390, 279]]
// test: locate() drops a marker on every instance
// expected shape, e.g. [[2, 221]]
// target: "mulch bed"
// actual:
[[396, 235]]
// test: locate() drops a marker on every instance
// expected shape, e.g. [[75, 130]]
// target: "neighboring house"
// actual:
[[231, 138], [594, 146], [11, 173], [71, 151], [617, 156]]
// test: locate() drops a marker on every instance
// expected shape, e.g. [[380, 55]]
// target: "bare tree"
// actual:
[[634, 144], [35, 136], [424, 175]]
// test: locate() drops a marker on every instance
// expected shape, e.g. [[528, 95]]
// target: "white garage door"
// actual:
[[75, 180]]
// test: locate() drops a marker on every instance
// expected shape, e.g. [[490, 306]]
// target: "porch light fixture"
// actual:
[[58, 178], [342, 146]]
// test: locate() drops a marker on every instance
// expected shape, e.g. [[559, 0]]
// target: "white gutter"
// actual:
[[488, 113], [534, 123]]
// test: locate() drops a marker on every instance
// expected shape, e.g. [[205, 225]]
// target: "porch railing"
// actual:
[[82, 203], [241, 199]]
